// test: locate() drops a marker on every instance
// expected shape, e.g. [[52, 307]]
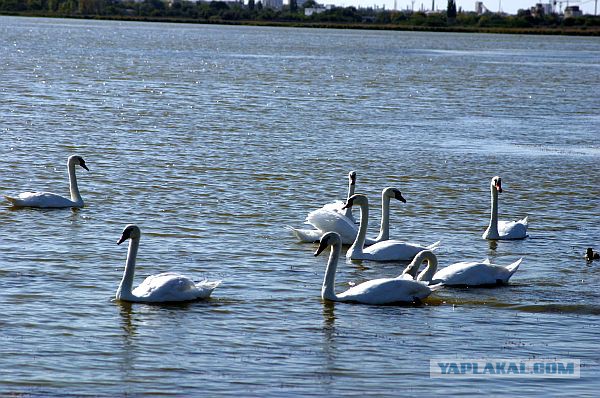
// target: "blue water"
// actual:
[[214, 138]]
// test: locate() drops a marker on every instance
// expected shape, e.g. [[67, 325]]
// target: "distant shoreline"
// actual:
[[562, 31]]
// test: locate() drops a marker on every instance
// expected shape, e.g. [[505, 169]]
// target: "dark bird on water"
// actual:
[[590, 255]]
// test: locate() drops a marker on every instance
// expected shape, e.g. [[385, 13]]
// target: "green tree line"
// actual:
[[254, 10]]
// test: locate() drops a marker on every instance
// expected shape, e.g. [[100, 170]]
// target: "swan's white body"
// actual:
[[387, 250], [47, 200], [160, 288], [376, 291], [503, 230], [331, 214], [475, 273], [326, 221]]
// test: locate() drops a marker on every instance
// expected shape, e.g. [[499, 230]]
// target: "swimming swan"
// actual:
[[48, 200], [387, 250], [165, 287], [376, 291], [476, 273], [331, 210], [503, 230], [326, 221]]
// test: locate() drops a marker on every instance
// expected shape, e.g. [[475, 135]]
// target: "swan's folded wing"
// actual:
[[462, 273], [513, 229], [39, 199], [327, 221], [387, 290], [393, 250], [306, 235], [167, 286]]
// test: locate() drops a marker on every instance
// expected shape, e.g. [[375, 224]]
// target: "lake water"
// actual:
[[214, 138]]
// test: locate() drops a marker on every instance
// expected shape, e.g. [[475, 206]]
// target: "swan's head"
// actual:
[[130, 232], [497, 184], [394, 193], [78, 160], [352, 177], [357, 199], [427, 274], [328, 239]]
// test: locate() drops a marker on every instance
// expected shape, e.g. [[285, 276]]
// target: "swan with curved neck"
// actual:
[[476, 273], [411, 271], [49, 200], [387, 250], [160, 288], [376, 291], [502, 230]]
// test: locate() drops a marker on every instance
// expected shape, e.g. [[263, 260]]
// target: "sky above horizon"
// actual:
[[508, 6]]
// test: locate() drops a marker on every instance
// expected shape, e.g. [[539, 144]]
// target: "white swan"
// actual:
[[410, 272], [376, 291], [165, 287], [331, 210], [387, 250], [504, 230], [326, 221], [476, 273], [51, 200]]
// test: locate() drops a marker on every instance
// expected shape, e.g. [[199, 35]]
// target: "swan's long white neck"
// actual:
[[359, 243], [328, 289], [384, 229], [427, 274], [493, 227], [124, 290], [75, 195], [351, 188]]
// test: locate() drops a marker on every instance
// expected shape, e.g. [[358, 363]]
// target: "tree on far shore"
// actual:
[[451, 11]]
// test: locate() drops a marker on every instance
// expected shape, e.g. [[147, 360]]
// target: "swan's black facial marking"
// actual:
[[126, 235], [498, 184], [353, 177], [82, 163], [398, 196], [322, 245]]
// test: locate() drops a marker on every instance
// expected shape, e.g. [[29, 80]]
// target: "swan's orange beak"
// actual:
[[498, 187], [122, 239]]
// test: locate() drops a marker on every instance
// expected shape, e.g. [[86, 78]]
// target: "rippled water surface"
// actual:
[[214, 138]]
